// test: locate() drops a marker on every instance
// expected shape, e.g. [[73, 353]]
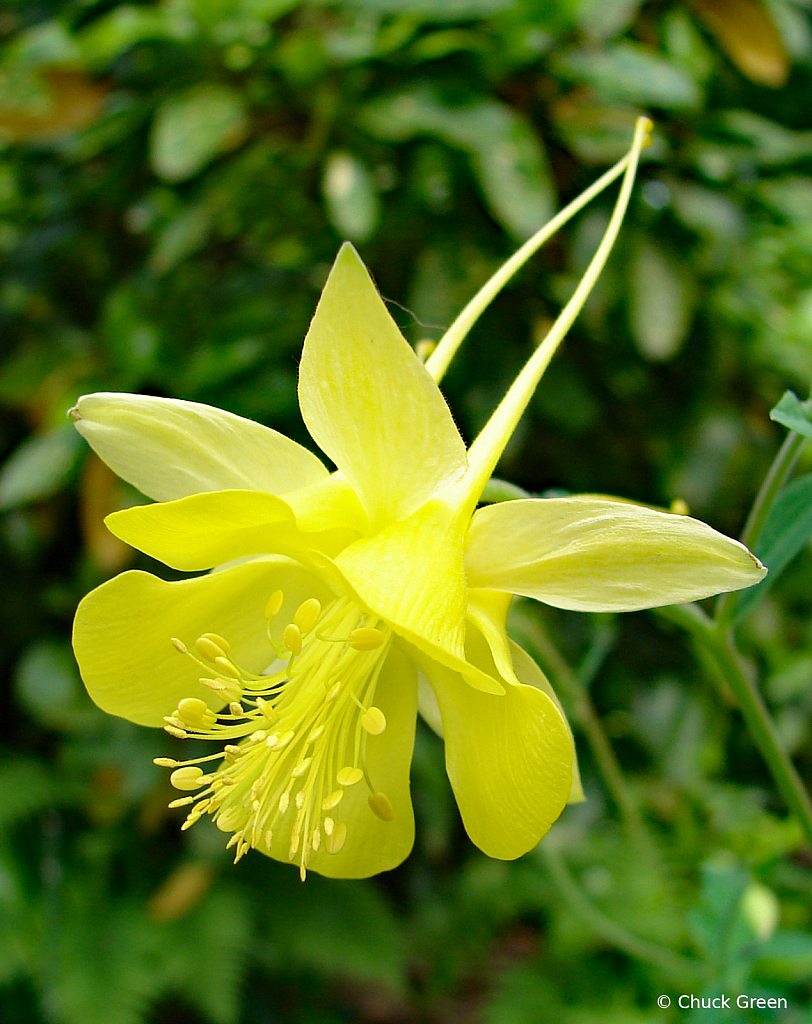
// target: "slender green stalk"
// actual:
[[615, 934], [583, 710], [782, 467], [722, 649]]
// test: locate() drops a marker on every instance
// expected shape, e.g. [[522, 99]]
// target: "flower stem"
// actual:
[[782, 467], [574, 687], [673, 963], [721, 647]]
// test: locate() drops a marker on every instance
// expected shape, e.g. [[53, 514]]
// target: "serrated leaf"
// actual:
[[793, 414], [787, 530], [39, 467], [193, 127], [630, 73]]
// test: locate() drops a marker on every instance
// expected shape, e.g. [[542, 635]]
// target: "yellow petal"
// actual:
[[204, 530], [596, 554], [487, 612], [374, 845], [369, 402], [123, 630], [411, 574], [528, 672], [509, 758], [168, 448]]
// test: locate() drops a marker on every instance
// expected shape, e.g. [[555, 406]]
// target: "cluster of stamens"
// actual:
[[294, 739]]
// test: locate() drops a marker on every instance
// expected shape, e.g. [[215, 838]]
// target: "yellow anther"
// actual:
[[266, 708], [315, 840], [679, 507], [366, 638], [272, 740], [236, 709], [274, 604], [329, 825], [317, 732], [299, 769], [165, 762], [381, 805], [225, 780], [300, 799], [332, 693], [192, 710], [209, 649], [179, 645], [294, 844], [285, 738], [307, 614], [232, 749], [221, 642], [182, 801], [258, 736], [348, 776], [190, 777], [230, 819], [374, 721], [292, 636], [333, 800], [227, 668], [180, 733], [284, 802], [268, 838], [334, 842]]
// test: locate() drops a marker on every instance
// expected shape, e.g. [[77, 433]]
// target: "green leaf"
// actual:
[[787, 530], [793, 414], [352, 202], [27, 788], [448, 10], [662, 301], [193, 127], [631, 73], [48, 687], [506, 154], [39, 467]]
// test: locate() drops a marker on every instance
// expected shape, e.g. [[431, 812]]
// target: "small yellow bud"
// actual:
[[334, 842], [274, 604], [381, 805], [190, 777], [208, 648], [373, 721], [366, 638], [349, 776], [192, 710], [307, 614], [292, 636]]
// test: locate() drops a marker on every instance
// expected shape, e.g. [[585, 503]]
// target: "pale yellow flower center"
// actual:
[[294, 739]]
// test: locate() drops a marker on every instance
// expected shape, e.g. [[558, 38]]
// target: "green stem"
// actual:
[[783, 465], [609, 930], [723, 651], [569, 683]]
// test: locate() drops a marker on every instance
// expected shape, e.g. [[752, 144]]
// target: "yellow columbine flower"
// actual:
[[334, 592]]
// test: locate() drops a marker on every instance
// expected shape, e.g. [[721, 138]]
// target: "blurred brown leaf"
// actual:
[[73, 101], [747, 33]]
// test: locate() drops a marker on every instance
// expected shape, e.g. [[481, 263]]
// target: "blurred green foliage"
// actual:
[[175, 178]]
